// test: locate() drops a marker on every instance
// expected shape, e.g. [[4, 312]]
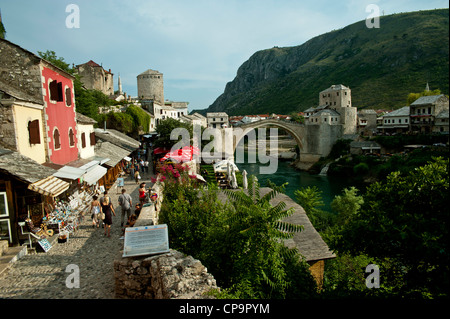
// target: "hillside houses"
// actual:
[[49, 153], [428, 114]]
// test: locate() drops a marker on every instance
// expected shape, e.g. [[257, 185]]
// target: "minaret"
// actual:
[[427, 88], [120, 85]]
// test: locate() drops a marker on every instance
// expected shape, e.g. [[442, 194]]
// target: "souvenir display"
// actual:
[[64, 217]]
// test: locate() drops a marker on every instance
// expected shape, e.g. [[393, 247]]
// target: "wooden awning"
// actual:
[[50, 186]]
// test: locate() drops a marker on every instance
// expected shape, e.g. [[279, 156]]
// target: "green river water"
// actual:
[[330, 186]]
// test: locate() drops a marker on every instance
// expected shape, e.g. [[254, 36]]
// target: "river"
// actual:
[[330, 186]]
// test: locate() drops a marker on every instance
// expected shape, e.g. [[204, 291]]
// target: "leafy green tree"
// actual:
[[165, 128], [310, 198], [346, 205], [414, 96], [141, 119], [2, 30], [51, 57], [240, 242], [120, 121], [405, 219]]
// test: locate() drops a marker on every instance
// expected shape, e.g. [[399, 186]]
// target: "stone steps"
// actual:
[[9, 255]]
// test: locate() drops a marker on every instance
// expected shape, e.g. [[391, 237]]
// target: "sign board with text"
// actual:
[[146, 240]]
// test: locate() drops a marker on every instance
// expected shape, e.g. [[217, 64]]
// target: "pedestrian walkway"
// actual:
[[43, 275]]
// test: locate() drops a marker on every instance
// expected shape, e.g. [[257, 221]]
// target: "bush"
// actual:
[[361, 169]]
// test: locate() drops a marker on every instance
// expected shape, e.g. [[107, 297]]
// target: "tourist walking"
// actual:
[[137, 177], [125, 203], [132, 169], [142, 194], [108, 210], [95, 211], [142, 166]]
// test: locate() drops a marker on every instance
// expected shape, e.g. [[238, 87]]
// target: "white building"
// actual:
[[397, 121], [85, 135]]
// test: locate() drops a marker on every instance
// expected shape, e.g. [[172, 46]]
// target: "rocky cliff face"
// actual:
[[381, 66]]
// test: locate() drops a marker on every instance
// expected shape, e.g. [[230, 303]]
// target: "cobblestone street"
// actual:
[[43, 275]]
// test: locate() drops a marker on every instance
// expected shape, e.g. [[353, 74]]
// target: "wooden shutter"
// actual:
[[71, 139], [92, 136], [33, 132], [53, 90], [83, 140], [56, 138], [60, 92], [68, 97]]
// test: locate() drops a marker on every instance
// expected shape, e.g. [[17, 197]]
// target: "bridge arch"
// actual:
[[293, 129]]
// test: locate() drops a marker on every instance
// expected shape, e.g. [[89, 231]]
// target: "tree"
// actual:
[[120, 121], [240, 242], [346, 205], [310, 198], [2, 29], [51, 57], [141, 120], [165, 128], [414, 96], [405, 219]]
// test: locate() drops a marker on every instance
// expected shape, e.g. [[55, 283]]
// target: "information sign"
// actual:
[[45, 244], [146, 240]]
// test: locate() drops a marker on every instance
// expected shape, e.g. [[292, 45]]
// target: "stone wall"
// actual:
[[7, 128], [166, 276], [20, 75]]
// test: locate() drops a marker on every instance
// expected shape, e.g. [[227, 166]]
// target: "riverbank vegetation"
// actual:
[[399, 224], [365, 169], [240, 242]]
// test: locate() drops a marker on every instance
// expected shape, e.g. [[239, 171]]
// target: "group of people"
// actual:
[[102, 210], [137, 166]]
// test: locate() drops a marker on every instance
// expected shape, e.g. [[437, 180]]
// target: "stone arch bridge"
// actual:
[[314, 140]]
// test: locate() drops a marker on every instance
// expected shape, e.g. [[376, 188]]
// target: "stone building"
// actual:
[[217, 119], [397, 121], [426, 111], [337, 98], [367, 121], [94, 77]]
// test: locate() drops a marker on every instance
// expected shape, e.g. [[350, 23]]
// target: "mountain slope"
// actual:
[[381, 66]]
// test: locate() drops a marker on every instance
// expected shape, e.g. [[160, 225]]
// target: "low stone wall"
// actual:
[[167, 276]]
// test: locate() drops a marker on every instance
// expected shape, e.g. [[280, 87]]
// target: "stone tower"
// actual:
[[151, 86], [339, 98]]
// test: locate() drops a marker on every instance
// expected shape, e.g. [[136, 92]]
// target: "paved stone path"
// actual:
[[43, 275]]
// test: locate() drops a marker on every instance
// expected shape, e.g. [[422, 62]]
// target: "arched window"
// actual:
[[56, 139]]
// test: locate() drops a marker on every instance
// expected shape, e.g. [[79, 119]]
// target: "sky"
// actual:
[[197, 44]]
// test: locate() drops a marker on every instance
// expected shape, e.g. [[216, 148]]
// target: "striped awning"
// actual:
[[50, 186]]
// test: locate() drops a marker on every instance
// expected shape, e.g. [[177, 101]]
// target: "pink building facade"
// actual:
[[60, 119]]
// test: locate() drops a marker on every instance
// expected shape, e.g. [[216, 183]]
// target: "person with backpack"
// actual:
[[125, 203]]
